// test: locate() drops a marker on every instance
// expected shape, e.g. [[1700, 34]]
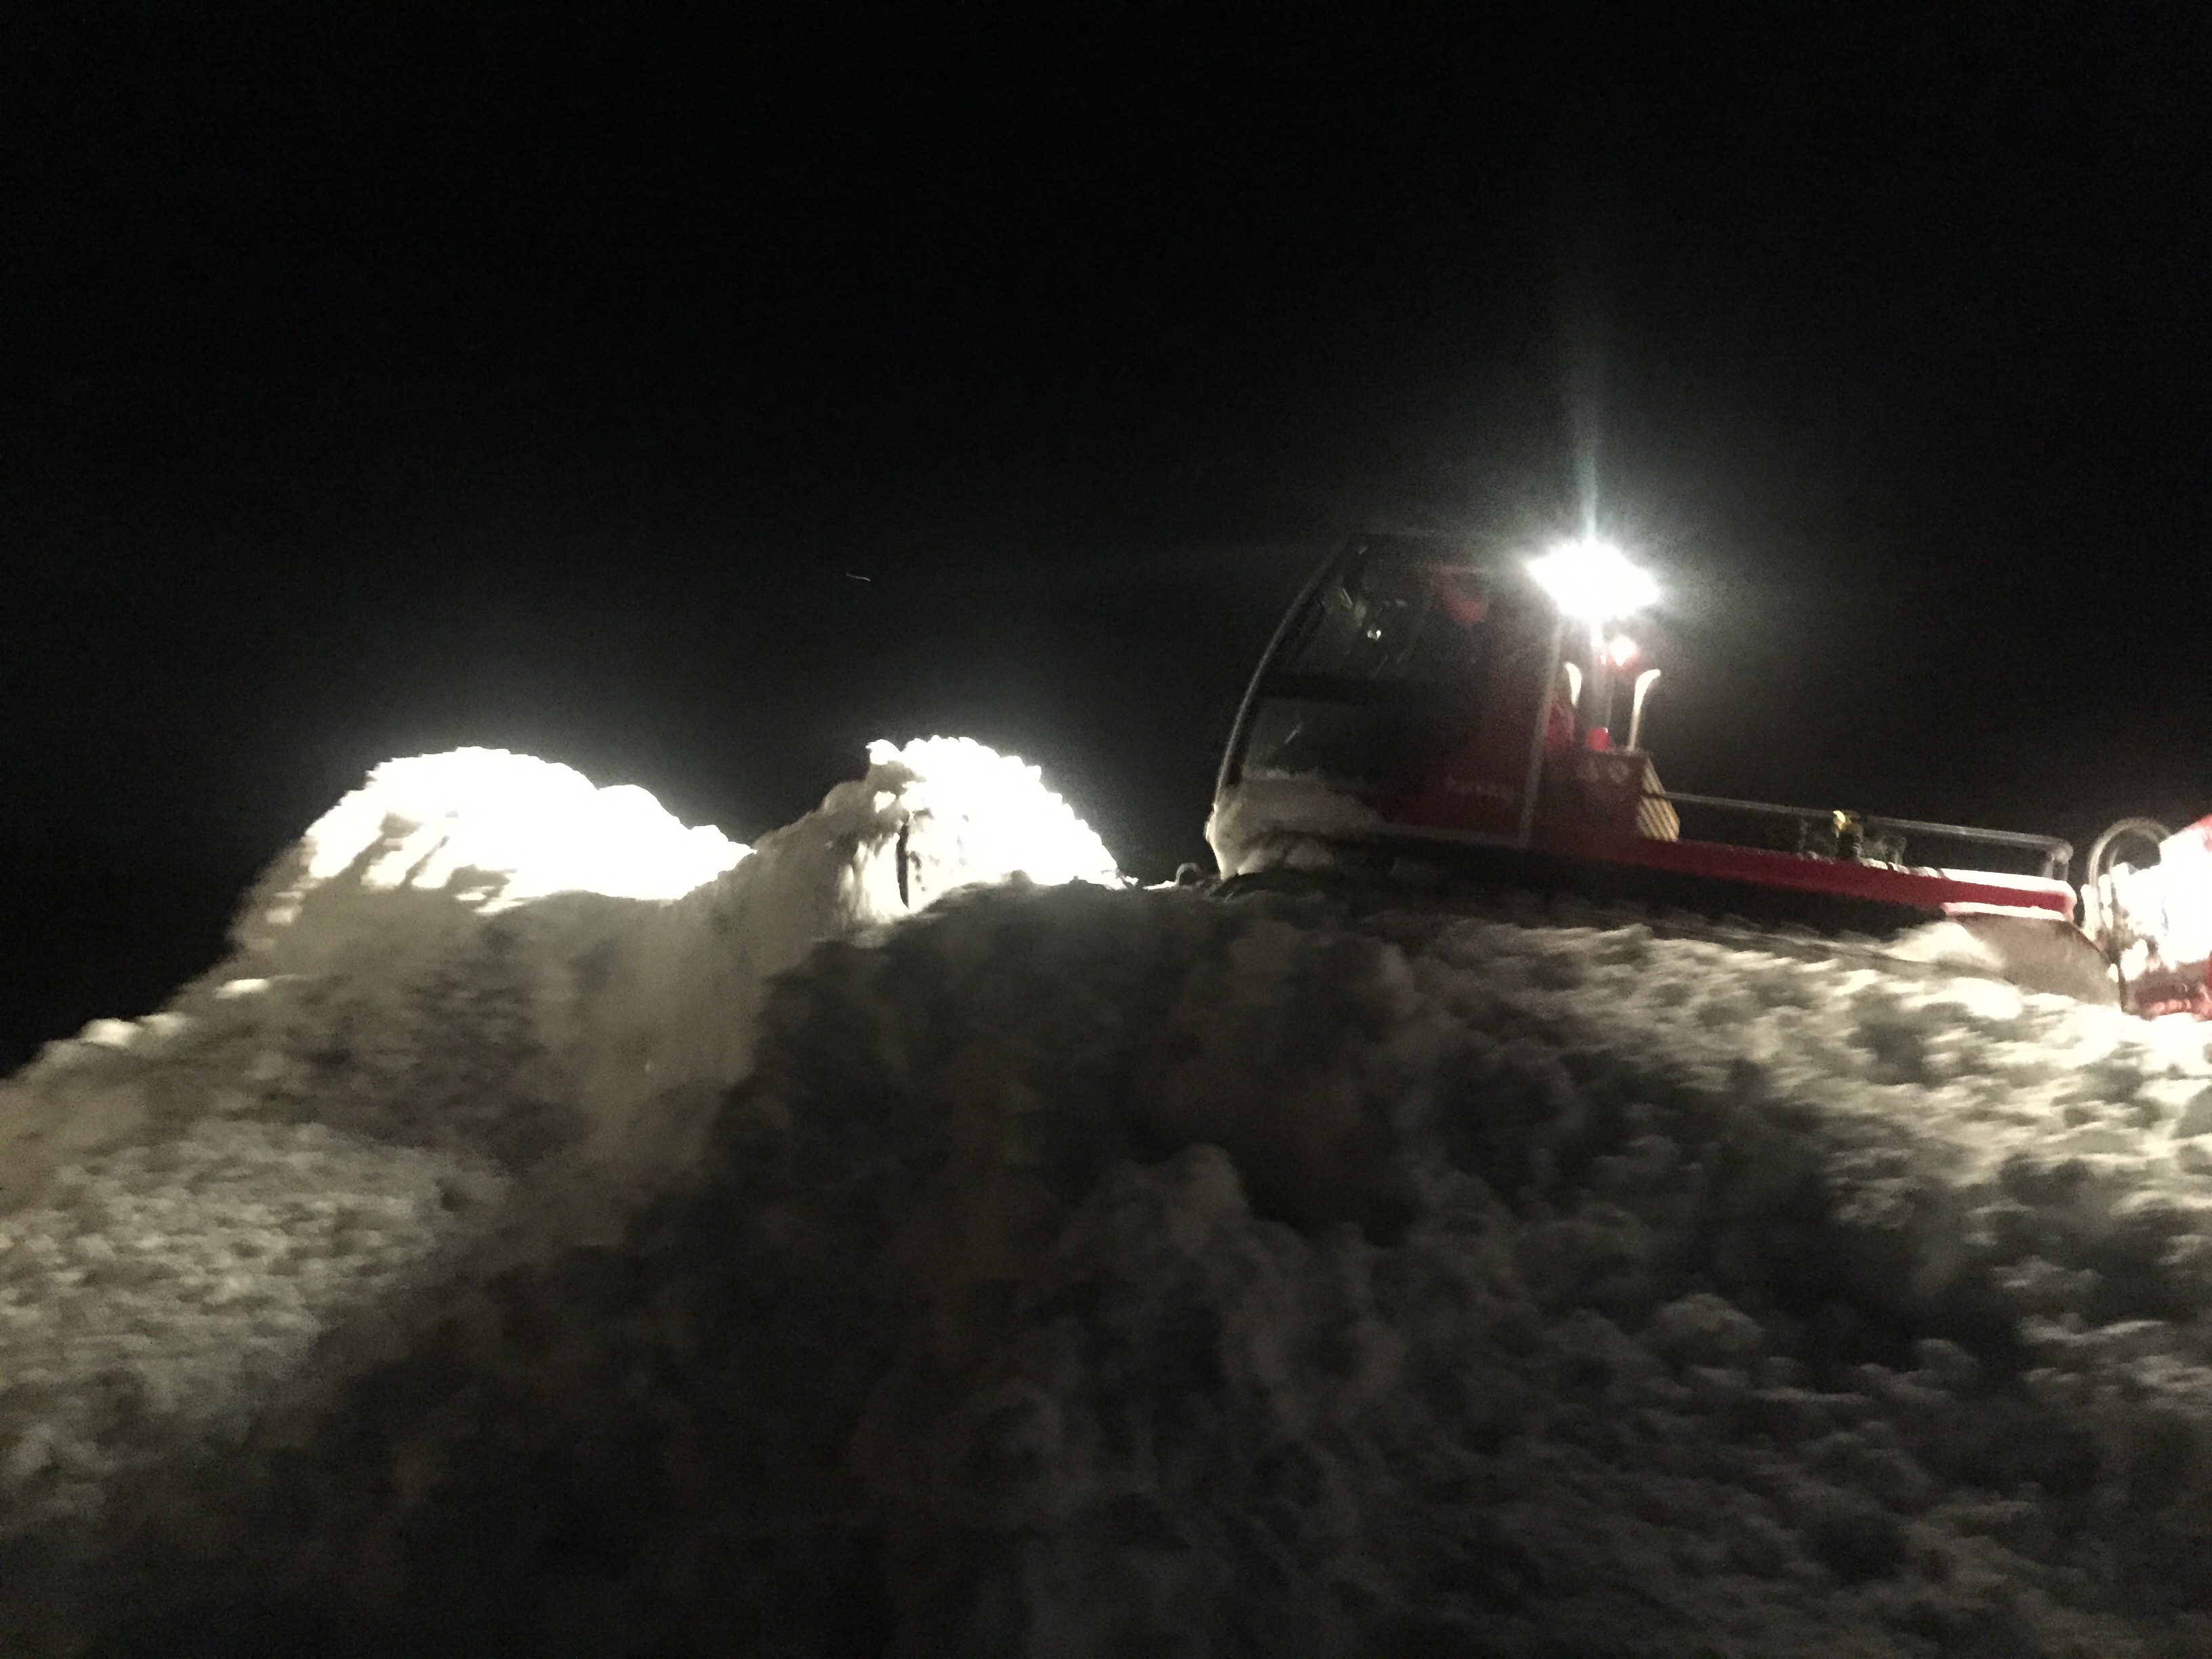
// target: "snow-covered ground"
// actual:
[[1078, 1271]]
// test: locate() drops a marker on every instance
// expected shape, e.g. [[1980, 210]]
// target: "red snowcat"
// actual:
[[1428, 718]]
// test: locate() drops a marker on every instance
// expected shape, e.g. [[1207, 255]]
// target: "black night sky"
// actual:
[[379, 379]]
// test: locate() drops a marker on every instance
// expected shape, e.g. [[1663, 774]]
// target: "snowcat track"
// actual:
[[1439, 873], [1847, 930]]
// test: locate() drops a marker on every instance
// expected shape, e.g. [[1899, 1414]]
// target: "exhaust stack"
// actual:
[[1644, 685]]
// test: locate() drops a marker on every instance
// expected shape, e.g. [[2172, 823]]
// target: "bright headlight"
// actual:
[[1592, 581]]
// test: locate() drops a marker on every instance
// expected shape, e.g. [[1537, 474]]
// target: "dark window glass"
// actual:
[[1399, 620], [1298, 738]]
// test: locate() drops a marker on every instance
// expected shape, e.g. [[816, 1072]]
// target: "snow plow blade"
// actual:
[[1417, 866]]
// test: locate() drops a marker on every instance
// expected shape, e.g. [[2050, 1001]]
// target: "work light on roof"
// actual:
[[1592, 581]]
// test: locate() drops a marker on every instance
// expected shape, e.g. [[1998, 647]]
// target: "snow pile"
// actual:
[[480, 996], [1283, 822], [1080, 1272]]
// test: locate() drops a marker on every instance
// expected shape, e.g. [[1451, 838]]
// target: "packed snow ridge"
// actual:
[[801, 1265]]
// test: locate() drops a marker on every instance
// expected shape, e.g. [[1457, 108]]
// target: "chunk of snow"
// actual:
[[1283, 822]]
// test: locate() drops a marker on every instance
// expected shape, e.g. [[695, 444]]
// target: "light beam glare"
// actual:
[[1593, 582]]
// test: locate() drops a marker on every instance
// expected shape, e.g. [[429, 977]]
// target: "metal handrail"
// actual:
[[2058, 854]]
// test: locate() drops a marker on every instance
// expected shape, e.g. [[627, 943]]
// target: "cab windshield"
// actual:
[[1398, 618], [1390, 659]]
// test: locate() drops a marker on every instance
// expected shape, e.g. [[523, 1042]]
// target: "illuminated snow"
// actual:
[[499, 829], [477, 967], [982, 816], [2171, 901]]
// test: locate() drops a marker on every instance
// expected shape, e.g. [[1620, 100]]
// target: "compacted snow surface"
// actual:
[[787, 1268]]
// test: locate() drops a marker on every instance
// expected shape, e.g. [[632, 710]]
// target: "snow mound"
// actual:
[[1079, 1273], [860, 1252], [480, 998]]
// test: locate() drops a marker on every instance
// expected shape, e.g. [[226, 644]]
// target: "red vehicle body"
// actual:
[[1424, 712]]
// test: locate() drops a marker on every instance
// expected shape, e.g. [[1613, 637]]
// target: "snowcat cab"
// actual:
[[1431, 717]]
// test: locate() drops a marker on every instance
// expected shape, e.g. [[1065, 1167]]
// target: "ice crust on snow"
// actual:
[[1088, 1272]]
